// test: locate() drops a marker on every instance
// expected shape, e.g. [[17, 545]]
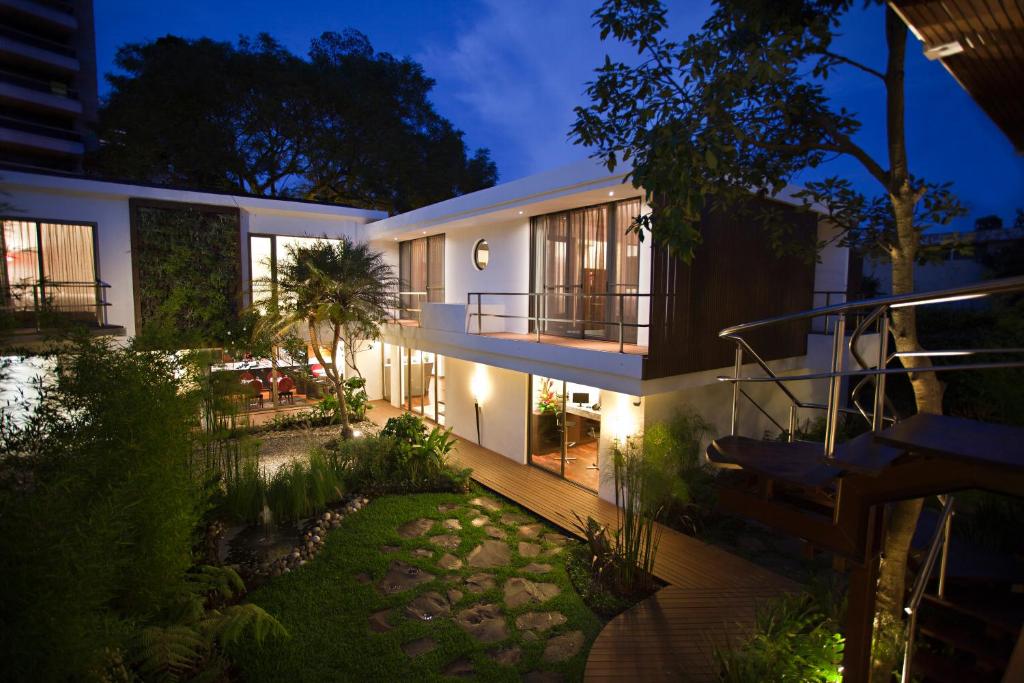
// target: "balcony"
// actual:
[[48, 14], [25, 135], [34, 309], [39, 95], [25, 47]]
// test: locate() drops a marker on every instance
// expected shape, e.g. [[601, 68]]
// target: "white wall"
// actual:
[[368, 360], [503, 410], [620, 420], [830, 273]]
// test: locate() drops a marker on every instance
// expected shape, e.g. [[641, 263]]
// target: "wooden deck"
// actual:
[[710, 598]]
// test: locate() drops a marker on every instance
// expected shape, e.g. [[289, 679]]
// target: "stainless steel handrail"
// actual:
[[43, 303], [537, 318]]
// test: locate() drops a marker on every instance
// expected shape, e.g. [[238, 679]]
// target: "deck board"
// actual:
[[710, 599]]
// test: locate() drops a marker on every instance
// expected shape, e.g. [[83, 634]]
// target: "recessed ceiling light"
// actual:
[[520, 213], [424, 232], [611, 193]]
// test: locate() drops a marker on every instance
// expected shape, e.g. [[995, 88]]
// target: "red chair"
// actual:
[[317, 370], [247, 377], [256, 387], [286, 389]]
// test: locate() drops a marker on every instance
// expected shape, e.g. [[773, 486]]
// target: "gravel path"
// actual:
[[280, 448]]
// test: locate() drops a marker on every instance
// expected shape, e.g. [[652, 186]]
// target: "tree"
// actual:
[[347, 125], [338, 289], [740, 107]]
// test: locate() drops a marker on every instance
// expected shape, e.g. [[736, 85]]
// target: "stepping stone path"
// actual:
[[520, 591], [449, 562], [530, 531], [480, 521], [563, 647], [485, 623], [507, 656], [488, 504], [415, 528], [447, 507], [460, 668], [428, 607], [454, 595], [539, 621], [379, 621], [389, 549], [528, 549], [448, 541], [453, 524], [537, 568], [402, 577], [495, 532], [513, 519], [415, 648], [490, 554], [423, 552], [480, 583]]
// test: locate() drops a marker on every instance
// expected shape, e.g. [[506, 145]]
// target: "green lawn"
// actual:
[[325, 605]]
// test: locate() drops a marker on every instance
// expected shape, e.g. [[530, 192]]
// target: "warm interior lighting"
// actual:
[[480, 384], [520, 213], [939, 300], [611, 193]]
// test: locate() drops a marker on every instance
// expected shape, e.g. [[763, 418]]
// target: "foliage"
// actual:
[[676, 448], [403, 458], [335, 287], [740, 107], [355, 397], [325, 605], [295, 491], [990, 520], [597, 595], [794, 640], [347, 125], [188, 264], [547, 399]]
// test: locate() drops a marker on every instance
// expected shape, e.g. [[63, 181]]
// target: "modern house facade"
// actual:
[[531, 320], [48, 91]]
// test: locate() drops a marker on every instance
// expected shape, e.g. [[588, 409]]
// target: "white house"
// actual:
[[531, 321]]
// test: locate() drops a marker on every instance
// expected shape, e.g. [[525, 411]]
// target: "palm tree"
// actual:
[[339, 289]]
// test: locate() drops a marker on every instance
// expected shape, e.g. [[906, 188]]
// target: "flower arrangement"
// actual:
[[547, 399]]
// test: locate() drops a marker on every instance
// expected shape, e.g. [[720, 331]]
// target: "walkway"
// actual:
[[710, 598]]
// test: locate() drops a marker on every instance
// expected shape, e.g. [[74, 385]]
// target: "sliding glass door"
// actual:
[[420, 273], [584, 262], [565, 429]]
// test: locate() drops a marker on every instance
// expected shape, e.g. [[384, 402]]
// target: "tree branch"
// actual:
[[855, 64]]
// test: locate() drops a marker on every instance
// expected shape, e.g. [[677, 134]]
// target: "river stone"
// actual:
[[495, 532], [528, 549], [520, 591], [454, 595], [543, 677], [379, 621], [447, 507], [563, 647], [539, 621], [449, 562], [402, 577], [421, 646], [506, 656], [480, 521], [553, 551], [512, 519], [488, 504], [453, 524], [485, 623], [489, 554], [530, 530], [479, 583], [428, 607], [556, 539], [537, 568], [423, 552], [416, 527], [460, 668], [448, 541]]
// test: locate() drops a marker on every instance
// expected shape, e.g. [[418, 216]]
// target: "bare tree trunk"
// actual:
[[903, 516], [273, 377], [333, 372]]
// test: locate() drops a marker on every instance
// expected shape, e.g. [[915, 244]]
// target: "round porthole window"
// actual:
[[481, 254]]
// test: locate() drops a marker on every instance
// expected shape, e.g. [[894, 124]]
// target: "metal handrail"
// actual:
[[939, 539], [401, 308], [41, 303], [537, 318]]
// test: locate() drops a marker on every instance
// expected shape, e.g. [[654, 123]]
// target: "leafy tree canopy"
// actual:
[[346, 125], [740, 106]]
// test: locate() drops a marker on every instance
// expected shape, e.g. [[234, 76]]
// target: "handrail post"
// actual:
[[479, 313], [738, 368], [792, 423], [621, 305], [835, 385], [536, 317], [944, 560], [878, 414]]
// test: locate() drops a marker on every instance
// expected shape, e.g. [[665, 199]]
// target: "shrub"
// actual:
[[297, 490], [403, 458], [675, 448], [356, 398], [795, 639]]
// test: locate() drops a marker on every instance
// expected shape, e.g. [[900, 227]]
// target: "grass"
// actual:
[[325, 607]]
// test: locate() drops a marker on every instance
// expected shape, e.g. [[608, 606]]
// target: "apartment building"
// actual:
[[48, 93], [531, 320]]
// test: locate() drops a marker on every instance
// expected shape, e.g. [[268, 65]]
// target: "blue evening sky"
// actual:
[[509, 73]]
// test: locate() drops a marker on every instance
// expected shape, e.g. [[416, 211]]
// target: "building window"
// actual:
[[266, 252], [481, 254], [49, 265], [420, 274]]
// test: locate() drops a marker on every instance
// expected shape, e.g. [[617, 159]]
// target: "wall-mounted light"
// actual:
[[636, 401], [480, 387], [423, 232]]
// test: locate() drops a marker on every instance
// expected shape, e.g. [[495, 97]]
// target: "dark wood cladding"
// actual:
[[735, 277]]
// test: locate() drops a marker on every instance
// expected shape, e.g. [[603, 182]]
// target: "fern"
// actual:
[[230, 625], [222, 582], [167, 653]]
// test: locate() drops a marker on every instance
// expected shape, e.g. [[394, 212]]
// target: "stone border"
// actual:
[[313, 539]]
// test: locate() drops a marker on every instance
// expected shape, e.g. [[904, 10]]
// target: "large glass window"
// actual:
[[265, 253], [49, 265], [565, 429], [420, 273], [584, 262]]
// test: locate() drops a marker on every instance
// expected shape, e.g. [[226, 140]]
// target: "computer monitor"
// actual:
[[579, 398]]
